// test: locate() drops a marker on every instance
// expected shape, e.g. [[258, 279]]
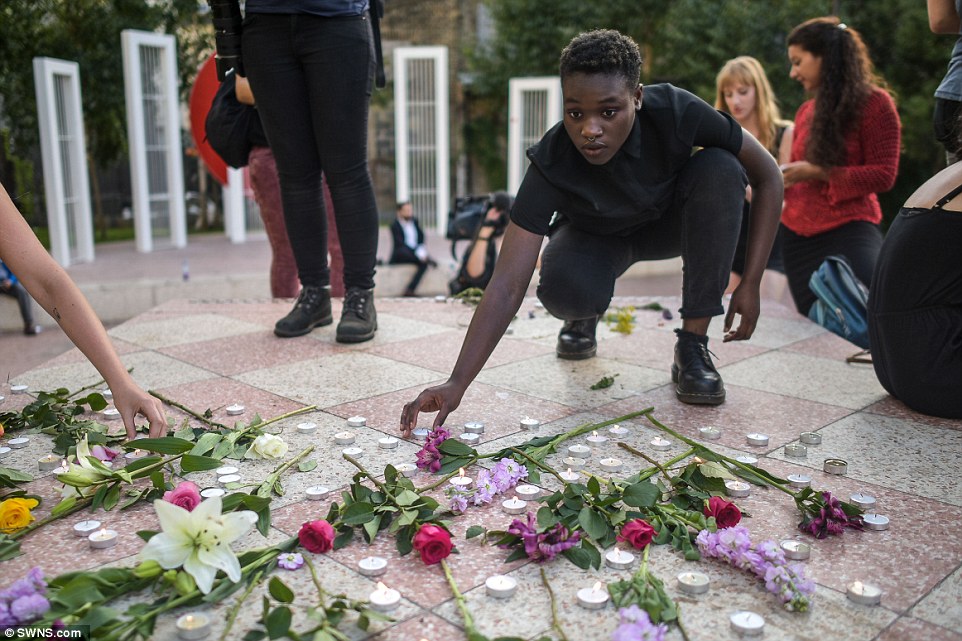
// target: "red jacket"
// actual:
[[871, 165]]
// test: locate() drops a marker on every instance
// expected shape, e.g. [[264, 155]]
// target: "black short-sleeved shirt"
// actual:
[[637, 185]]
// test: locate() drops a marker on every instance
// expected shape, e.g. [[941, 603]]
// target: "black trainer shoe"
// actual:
[[312, 309], [577, 339], [695, 377], [358, 318]]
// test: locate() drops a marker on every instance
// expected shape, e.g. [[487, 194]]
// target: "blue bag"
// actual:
[[841, 304]]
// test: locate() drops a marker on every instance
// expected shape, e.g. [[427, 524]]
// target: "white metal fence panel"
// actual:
[[153, 129], [422, 135], [534, 106], [64, 150]]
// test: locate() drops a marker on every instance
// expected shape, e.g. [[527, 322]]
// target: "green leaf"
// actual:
[[343, 538], [278, 622], [715, 470], [15, 475], [206, 443], [546, 518], [454, 447], [358, 514], [193, 463], [280, 591], [475, 530], [223, 449], [112, 497], [593, 523], [642, 494], [8, 548], [371, 528], [96, 401], [594, 486], [577, 556], [307, 466], [407, 497], [165, 445]]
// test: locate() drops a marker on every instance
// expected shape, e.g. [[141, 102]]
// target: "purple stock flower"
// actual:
[[291, 561], [29, 608], [6, 619], [429, 457], [514, 469], [501, 478], [459, 503], [636, 625]]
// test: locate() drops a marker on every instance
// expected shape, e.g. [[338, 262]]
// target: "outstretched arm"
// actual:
[[53, 290], [943, 17]]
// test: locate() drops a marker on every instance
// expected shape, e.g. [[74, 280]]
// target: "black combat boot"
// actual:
[[358, 318], [577, 339], [695, 377], [312, 309]]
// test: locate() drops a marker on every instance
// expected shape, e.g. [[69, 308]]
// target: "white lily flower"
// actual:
[[199, 540]]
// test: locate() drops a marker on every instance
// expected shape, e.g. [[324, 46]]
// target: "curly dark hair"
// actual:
[[603, 51], [847, 78]]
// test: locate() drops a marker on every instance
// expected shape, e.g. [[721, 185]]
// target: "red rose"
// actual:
[[317, 536], [725, 512], [638, 533], [434, 543]]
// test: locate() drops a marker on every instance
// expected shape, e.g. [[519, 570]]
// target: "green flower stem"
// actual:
[[681, 627], [276, 474], [589, 427], [638, 452], [462, 605], [199, 417], [297, 412], [317, 581], [92, 385], [50, 519], [555, 622], [353, 461], [235, 609], [546, 468]]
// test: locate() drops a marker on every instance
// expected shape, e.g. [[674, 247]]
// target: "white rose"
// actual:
[[267, 446]]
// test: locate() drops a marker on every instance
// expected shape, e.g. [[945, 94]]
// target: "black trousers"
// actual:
[[404, 255], [579, 269], [312, 79]]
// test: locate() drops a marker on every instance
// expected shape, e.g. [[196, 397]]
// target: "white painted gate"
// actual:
[[534, 106]]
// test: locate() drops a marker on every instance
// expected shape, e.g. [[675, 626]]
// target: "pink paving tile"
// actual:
[[76, 356], [655, 348], [418, 628], [826, 345], [909, 629], [890, 406], [451, 313], [236, 354], [217, 393]]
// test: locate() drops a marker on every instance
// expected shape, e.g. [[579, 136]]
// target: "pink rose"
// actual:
[[317, 536], [434, 543], [725, 512], [185, 495], [638, 533]]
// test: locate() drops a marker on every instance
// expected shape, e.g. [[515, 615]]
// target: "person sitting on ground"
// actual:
[[408, 247], [619, 178], [10, 286], [52, 288], [477, 264]]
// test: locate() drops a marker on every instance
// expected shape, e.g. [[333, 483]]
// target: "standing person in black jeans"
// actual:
[[311, 65]]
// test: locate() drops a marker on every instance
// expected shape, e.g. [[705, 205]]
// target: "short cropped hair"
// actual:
[[602, 51], [401, 204]]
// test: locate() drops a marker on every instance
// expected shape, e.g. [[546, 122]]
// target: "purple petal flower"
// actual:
[[27, 609], [291, 561], [459, 503]]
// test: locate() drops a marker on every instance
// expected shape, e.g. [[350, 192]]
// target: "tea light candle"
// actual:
[[474, 427], [316, 492], [737, 489], [709, 433], [354, 452], [356, 421], [514, 505], [48, 462], [749, 624], [593, 598], [579, 451], [235, 410], [863, 501], [224, 470], [469, 438], [406, 468], [2, 398], [660, 444], [500, 586], [306, 428], [756, 439], [835, 466], [617, 430], [528, 423], [4, 450], [877, 522], [461, 482], [212, 492], [569, 476], [193, 626], [85, 528], [864, 593], [795, 450], [799, 481], [440, 298], [596, 438], [103, 539], [693, 583], [795, 550], [18, 443], [527, 492], [420, 433], [19, 389], [344, 438], [611, 464], [384, 599], [372, 566], [573, 463], [387, 443], [107, 394], [810, 438], [111, 414], [747, 459], [619, 559], [227, 479]]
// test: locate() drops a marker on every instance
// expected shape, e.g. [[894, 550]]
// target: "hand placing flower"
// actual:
[[433, 542], [267, 446], [637, 532], [316, 536], [15, 514], [185, 495], [725, 512]]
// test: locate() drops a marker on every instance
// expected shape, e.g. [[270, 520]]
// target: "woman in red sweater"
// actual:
[[845, 151]]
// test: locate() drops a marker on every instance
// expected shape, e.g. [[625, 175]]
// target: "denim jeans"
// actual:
[[579, 269], [312, 79]]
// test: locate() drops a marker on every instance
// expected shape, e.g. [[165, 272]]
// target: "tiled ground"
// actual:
[[792, 377]]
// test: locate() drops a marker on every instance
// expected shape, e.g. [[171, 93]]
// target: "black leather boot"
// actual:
[[577, 339], [695, 377], [358, 318], [312, 309]]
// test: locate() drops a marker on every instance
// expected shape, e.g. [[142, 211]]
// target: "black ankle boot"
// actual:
[[695, 377], [358, 318], [577, 339], [312, 309]]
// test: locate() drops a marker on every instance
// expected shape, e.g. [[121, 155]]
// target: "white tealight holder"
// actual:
[[864, 593], [4, 450], [212, 492], [527, 492], [876, 522], [372, 566], [235, 410], [528, 423], [738, 489], [469, 438], [619, 559], [474, 427], [748, 624], [354, 452], [103, 539], [48, 463], [111, 414], [611, 464], [796, 550], [660, 444], [573, 463], [406, 468], [440, 298], [747, 459], [799, 481], [420, 434], [19, 389], [356, 421], [384, 599], [835, 466], [461, 482], [579, 451], [618, 430], [569, 476], [596, 439], [316, 492], [796, 450], [593, 598], [224, 470], [306, 428], [863, 501], [345, 438], [757, 440], [693, 583], [19, 443], [107, 394], [514, 505], [709, 433], [500, 586], [227, 479], [84, 529], [387, 443], [2, 398], [193, 626], [810, 438]]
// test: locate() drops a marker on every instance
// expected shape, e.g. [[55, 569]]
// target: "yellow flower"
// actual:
[[15, 514]]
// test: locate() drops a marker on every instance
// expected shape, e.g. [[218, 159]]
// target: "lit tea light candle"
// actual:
[[528, 423], [103, 539], [406, 468], [48, 463], [618, 430], [799, 481], [84, 529], [356, 421], [111, 414], [193, 626], [737, 489], [795, 550], [469, 438], [593, 598], [611, 464], [306, 428], [354, 452], [877, 522], [756, 439], [107, 394], [573, 463], [227, 479], [796, 451], [384, 599], [500, 586], [474, 427], [18, 443], [235, 410], [810, 438], [514, 505], [372, 566], [134, 455], [835, 466], [863, 501], [709, 433], [579, 451], [387, 443], [344, 438], [660, 444], [596, 438], [693, 583], [420, 433], [461, 482], [224, 470], [211, 492], [316, 492], [864, 593], [748, 624], [747, 459], [619, 559], [19, 389], [569, 476], [527, 492]]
